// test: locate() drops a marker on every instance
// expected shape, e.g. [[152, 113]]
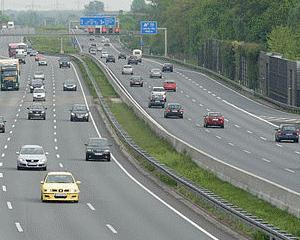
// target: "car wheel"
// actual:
[[222, 126], [87, 119], [64, 89], [296, 141], [86, 157], [75, 89], [71, 119], [165, 116], [149, 105], [44, 118], [44, 168], [108, 159], [3, 130], [19, 168], [42, 199], [142, 85], [29, 118], [163, 106], [181, 116], [204, 125]]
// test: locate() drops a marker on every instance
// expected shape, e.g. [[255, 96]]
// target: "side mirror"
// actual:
[[27, 108], [85, 144], [78, 182], [42, 182], [45, 108], [4, 121], [276, 129], [18, 153]]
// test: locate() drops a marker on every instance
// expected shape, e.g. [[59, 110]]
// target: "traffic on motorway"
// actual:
[[51, 143]]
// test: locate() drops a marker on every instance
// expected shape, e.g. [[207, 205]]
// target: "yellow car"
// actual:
[[60, 186]]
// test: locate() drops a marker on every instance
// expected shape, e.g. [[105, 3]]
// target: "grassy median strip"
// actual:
[[184, 166]]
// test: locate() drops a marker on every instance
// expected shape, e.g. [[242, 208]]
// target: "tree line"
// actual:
[[274, 24]]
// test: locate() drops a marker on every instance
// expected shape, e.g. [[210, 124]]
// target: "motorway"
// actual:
[[113, 203], [247, 142]]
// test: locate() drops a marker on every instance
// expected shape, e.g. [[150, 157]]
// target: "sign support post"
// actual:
[[166, 40]]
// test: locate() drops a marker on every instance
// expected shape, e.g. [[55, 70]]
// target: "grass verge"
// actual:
[[184, 166]]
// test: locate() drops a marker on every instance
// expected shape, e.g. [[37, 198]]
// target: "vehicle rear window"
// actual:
[[59, 179], [215, 114], [289, 128]]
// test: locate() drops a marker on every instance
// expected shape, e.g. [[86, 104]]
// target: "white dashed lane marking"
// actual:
[[231, 144], [57, 155], [1, 164], [263, 138], [289, 170], [1, 175], [297, 152], [9, 205], [246, 151], [4, 188], [91, 206], [249, 132], [237, 126], [266, 160], [61, 165], [277, 144], [218, 137], [19, 227], [3, 155], [111, 228]]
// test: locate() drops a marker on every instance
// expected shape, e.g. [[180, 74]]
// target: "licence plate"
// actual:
[[98, 154], [60, 195], [215, 119], [31, 164], [289, 134], [174, 110]]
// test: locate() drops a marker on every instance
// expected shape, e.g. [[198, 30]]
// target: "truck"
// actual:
[[10, 25], [9, 74]]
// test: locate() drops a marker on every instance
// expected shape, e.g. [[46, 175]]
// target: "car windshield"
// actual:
[[136, 78], [158, 89], [169, 82], [64, 60], [39, 90], [79, 107], [174, 106], [157, 96], [59, 179], [9, 73], [128, 66], [38, 73], [36, 107], [155, 70], [98, 142], [1, 119], [70, 82], [289, 128], [32, 150], [214, 114], [37, 82]]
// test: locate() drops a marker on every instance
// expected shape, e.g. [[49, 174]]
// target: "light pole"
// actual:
[[166, 40]]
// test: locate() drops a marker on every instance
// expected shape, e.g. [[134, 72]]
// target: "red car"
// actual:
[[214, 119], [38, 57], [169, 85]]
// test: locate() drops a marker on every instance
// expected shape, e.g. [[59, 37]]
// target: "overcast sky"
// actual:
[[62, 4]]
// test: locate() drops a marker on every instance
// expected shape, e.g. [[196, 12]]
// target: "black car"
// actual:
[[97, 148], [156, 100], [287, 132], [2, 124], [70, 85], [167, 67], [111, 58], [36, 83], [132, 60], [173, 110], [79, 112], [136, 81], [64, 62], [122, 56], [36, 111]]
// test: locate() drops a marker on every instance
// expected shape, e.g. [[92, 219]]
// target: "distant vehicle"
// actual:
[[213, 119], [104, 54], [42, 62], [170, 85], [127, 69], [10, 25], [4, 27], [173, 110], [21, 58], [60, 186], [155, 73], [32, 157], [64, 62], [9, 74], [12, 48], [36, 83], [136, 81], [110, 58], [39, 75], [79, 112], [70, 85], [132, 60], [159, 91], [38, 57], [2, 124], [156, 100], [167, 67], [36, 111], [106, 44], [122, 56], [93, 45], [92, 38], [39, 94], [138, 53], [33, 53], [93, 51], [287, 132], [99, 49], [97, 148]]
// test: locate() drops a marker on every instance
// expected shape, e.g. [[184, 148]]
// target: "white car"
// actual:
[[104, 54], [159, 91], [32, 157], [99, 49], [127, 69], [39, 94], [39, 75], [42, 62], [155, 72]]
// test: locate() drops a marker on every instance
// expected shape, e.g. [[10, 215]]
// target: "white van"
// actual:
[[10, 25], [138, 53]]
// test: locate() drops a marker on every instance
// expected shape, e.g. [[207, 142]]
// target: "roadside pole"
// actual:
[[166, 40]]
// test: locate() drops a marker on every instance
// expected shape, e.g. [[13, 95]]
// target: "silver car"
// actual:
[[39, 75], [155, 73], [32, 157], [127, 69]]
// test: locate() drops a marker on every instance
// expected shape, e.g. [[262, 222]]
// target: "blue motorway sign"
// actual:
[[148, 27], [97, 21]]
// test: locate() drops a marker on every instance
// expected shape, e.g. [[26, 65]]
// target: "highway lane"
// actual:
[[108, 197], [246, 142]]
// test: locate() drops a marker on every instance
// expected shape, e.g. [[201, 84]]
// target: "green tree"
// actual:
[[138, 6], [4, 18], [93, 8]]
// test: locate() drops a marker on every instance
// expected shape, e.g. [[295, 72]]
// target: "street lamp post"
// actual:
[[166, 40]]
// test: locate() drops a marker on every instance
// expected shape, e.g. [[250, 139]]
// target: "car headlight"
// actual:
[[22, 160], [43, 160], [106, 151], [31, 87], [30, 112], [42, 112], [47, 190], [73, 114], [74, 190], [89, 150], [86, 114]]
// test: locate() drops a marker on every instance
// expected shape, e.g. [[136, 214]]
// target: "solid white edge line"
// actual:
[[9, 205], [110, 227], [4, 188], [19, 227], [1, 175], [136, 181]]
